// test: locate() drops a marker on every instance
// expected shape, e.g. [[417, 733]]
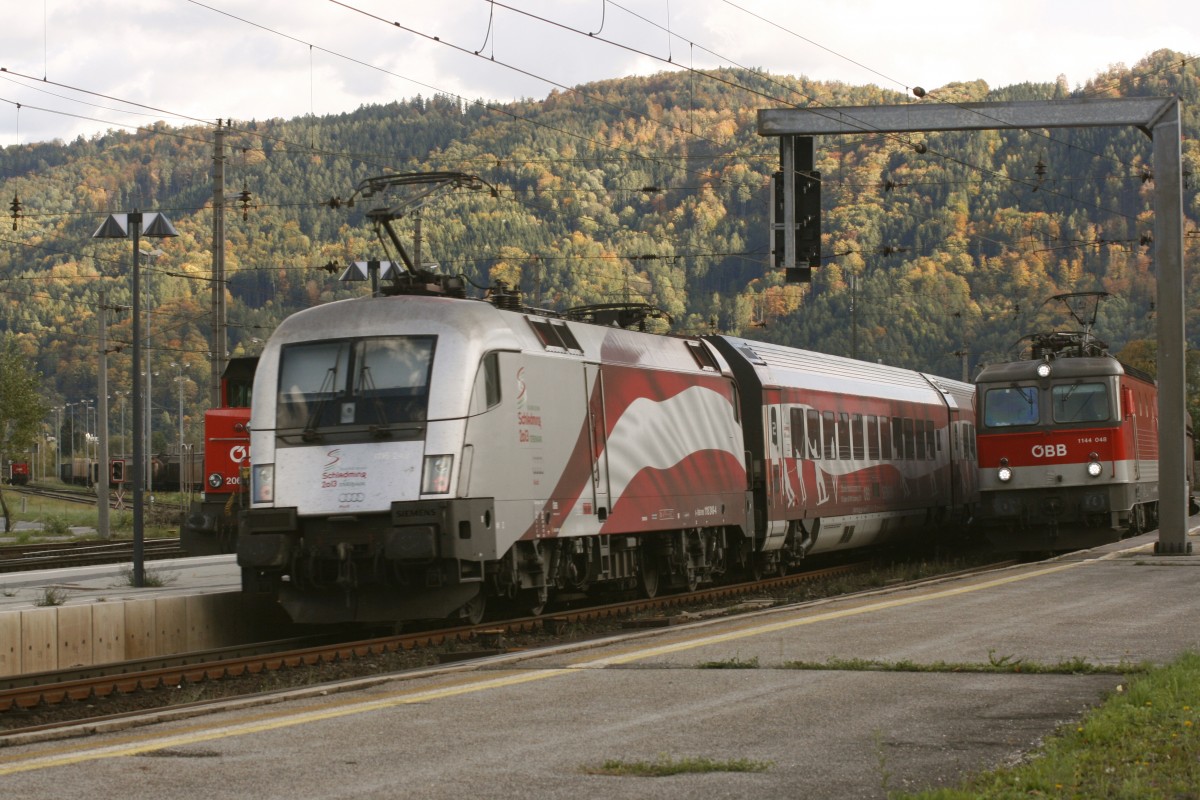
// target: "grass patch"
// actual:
[[1006, 664], [665, 765], [732, 663], [150, 578], [51, 596], [1142, 742]]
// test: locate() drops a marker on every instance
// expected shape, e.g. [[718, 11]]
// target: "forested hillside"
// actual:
[[938, 250]]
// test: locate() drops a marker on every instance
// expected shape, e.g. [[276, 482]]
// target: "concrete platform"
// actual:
[[84, 616], [536, 725]]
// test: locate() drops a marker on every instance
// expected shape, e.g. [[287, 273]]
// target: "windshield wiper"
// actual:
[[326, 391], [368, 390]]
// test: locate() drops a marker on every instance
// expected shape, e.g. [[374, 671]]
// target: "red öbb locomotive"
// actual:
[[1068, 444], [211, 525]]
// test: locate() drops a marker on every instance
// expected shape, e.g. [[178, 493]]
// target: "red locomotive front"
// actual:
[[1068, 447]]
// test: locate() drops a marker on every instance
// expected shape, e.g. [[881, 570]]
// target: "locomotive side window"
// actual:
[[1080, 402], [486, 392], [1010, 405]]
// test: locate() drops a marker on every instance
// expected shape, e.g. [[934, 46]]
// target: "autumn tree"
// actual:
[[21, 408]]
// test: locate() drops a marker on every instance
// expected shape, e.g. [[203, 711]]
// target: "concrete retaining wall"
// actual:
[[61, 637]]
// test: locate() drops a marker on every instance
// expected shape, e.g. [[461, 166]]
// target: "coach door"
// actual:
[[779, 487], [961, 466], [598, 434]]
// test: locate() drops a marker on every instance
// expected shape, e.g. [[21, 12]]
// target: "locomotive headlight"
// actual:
[[1005, 472], [1043, 370], [435, 478], [1093, 468], [262, 483]]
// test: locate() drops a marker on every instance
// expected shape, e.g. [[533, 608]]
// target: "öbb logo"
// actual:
[[1049, 450]]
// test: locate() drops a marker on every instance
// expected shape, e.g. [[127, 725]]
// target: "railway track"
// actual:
[[56, 555], [27, 692], [88, 497]]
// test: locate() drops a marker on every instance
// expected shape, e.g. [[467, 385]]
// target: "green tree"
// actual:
[[1143, 354], [21, 408]]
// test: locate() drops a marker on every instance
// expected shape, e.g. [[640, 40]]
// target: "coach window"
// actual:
[[873, 437], [812, 433], [910, 439], [856, 437], [919, 436], [843, 437], [829, 434], [898, 438], [486, 393], [885, 438], [1080, 402]]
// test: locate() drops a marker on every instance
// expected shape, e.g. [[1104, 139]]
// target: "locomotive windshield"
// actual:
[[1080, 402], [368, 383], [1010, 405]]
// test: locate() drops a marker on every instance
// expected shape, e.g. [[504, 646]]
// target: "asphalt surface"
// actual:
[[538, 725]]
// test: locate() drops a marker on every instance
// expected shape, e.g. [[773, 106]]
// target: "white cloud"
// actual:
[[186, 58]]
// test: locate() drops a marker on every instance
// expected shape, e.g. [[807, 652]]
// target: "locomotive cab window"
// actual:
[[1010, 405], [1080, 402], [486, 392], [370, 383]]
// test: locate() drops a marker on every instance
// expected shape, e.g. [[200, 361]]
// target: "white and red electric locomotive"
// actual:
[[1068, 444]]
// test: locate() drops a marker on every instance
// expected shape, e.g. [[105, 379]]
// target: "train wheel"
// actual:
[[647, 574]]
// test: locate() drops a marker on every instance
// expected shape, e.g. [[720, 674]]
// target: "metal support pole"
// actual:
[[787, 163], [139, 440], [219, 345], [102, 424], [1172, 341]]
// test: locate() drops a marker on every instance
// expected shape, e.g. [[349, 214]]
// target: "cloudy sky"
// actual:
[[256, 59]]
